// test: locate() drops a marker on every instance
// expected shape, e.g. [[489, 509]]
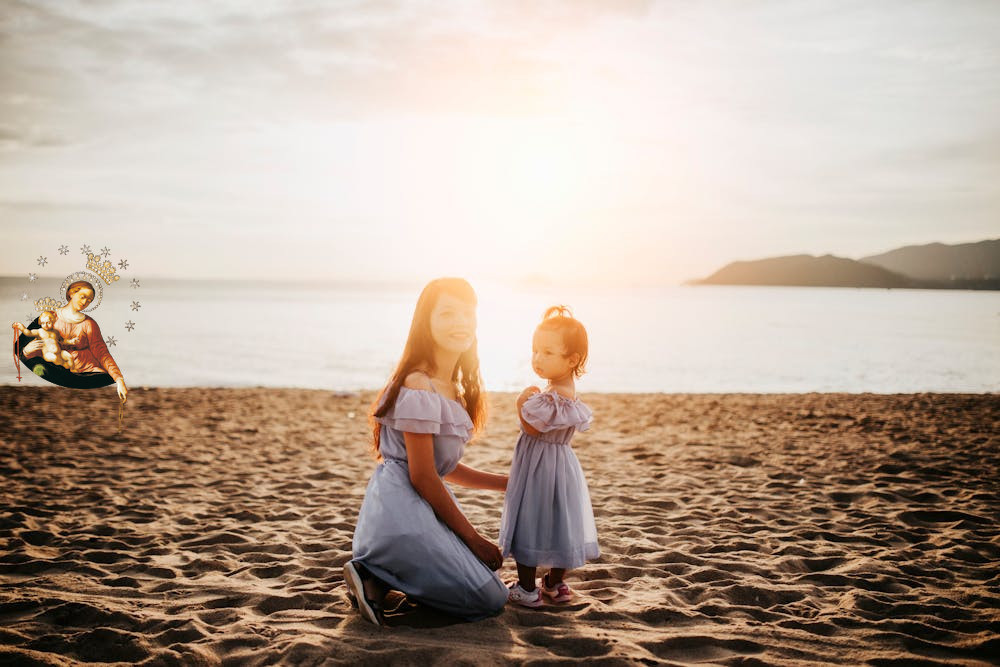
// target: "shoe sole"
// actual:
[[528, 605], [356, 590]]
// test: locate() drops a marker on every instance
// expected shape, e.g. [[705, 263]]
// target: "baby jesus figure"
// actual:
[[52, 341]]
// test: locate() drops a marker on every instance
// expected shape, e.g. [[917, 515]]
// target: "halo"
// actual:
[[90, 278]]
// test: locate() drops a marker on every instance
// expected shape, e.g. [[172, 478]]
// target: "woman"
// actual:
[[411, 534], [90, 354]]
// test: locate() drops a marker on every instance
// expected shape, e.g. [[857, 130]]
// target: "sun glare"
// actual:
[[521, 181], [506, 199]]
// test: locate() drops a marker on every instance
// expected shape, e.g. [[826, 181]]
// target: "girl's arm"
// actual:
[[525, 395], [463, 475], [425, 479]]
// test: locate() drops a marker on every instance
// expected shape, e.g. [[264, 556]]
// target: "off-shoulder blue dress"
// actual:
[[399, 538], [547, 517]]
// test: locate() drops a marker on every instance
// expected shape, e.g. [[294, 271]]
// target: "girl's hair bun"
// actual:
[[557, 311]]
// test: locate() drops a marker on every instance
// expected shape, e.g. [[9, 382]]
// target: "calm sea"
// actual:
[[674, 339]]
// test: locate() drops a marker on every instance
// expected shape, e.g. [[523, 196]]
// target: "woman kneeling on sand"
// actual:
[[411, 534]]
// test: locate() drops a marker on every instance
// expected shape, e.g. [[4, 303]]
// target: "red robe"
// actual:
[[90, 353]]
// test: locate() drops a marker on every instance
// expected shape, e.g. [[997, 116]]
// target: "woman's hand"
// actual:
[[122, 389], [425, 481], [487, 552], [32, 348]]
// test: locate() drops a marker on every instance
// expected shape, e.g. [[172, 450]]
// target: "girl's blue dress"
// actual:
[[547, 517], [399, 538]]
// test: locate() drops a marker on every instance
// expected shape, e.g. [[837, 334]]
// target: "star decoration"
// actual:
[[111, 341], [32, 277], [134, 283], [105, 251], [64, 250], [123, 264], [130, 325], [30, 317], [85, 249], [136, 305], [42, 261], [24, 296]]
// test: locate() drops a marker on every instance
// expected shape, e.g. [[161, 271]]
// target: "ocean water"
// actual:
[[671, 339]]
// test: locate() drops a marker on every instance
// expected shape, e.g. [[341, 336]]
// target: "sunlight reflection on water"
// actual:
[[673, 339]]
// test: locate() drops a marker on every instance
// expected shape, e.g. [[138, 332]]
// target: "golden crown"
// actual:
[[48, 303], [106, 270]]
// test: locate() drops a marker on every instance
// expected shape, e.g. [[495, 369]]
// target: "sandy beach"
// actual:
[[735, 530]]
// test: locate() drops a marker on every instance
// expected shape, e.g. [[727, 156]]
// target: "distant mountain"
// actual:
[[806, 271], [934, 266], [937, 262]]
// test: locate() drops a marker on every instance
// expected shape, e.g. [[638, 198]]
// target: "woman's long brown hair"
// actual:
[[418, 354]]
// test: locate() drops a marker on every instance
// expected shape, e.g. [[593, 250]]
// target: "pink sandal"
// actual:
[[561, 592]]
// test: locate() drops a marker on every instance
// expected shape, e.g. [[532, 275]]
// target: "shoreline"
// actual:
[[734, 529]]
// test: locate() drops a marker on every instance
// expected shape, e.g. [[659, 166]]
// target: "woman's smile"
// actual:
[[453, 323]]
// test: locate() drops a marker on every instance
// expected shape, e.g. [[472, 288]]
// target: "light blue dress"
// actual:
[[399, 538], [547, 517]]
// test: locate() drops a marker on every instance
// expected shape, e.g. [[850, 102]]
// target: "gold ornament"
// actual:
[[105, 270], [48, 303]]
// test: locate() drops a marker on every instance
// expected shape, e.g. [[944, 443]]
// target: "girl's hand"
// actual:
[[528, 393], [487, 552]]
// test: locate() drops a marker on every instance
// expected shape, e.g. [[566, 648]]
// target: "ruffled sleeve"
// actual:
[[549, 411], [422, 411]]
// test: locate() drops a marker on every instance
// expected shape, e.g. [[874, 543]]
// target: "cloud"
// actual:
[[12, 205], [27, 136], [116, 60], [802, 118]]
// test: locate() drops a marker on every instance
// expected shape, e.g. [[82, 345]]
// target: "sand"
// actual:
[[735, 529]]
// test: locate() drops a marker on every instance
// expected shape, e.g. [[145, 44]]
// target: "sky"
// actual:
[[619, 142]]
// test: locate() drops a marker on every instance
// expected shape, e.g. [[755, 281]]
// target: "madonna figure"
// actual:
[[88, 361]]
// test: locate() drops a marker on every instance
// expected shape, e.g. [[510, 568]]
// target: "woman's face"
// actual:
[[81, 299], [453, 324]]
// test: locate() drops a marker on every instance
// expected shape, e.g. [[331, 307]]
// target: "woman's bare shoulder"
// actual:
[[417, 380]]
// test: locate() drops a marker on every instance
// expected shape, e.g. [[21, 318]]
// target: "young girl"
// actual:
[[411, 534], [547, 518]]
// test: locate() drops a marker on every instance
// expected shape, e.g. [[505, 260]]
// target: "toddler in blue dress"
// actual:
[[547, 518]]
